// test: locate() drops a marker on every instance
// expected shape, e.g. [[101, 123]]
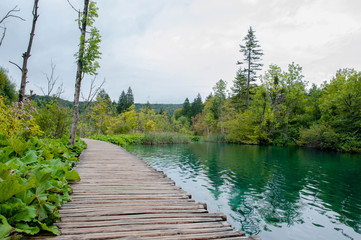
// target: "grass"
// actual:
[[154, 138], [151, 138]]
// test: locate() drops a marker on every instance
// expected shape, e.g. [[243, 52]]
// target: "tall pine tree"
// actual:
[[197, 106], [122, 102], [239, 89], [187, 111], [252, 56], [130, 98]]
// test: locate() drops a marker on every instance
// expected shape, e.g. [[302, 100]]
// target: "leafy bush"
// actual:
[[7, 88], [17, 120], [150, 138], [53, 119], [121, 140], [195, 138], [34, 177], [319, 136]]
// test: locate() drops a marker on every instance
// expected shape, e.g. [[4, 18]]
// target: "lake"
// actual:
[[274, 192]]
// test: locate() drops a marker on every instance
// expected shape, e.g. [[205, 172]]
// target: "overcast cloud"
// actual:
[[167, 50]]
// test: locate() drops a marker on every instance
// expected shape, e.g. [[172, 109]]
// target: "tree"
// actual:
[[101, 114], [86, 57], [239, 89], [7, 88], [93, 91], [130, 98], [9, 14], [197, 106], [186, 111], [51, 82], [26, 55], [122, 102], [218, 101], [252, 55], [104, 95]]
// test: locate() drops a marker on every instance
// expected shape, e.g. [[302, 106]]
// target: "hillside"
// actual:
[[170, 108]]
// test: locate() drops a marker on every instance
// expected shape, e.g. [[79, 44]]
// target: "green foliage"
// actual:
[[242, 128], [125, 101], [7, 88], [34, 183], [121, 140], [320, 136], [170, 108], [150, 138], [252, 57], [53, 119], [16, 120], [90, 47], [154, 138]]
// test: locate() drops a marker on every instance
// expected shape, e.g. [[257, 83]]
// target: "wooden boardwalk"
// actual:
[[121, 197]]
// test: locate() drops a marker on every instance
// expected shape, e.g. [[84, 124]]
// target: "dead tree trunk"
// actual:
[[79, 74], [26, 55]]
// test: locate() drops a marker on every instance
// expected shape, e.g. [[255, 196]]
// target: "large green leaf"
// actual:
[[30, 157], [11, 186], [5, 228], [54, 229], [25, 228], [4, 171], [18, 145], [72, 175], [27, 215]]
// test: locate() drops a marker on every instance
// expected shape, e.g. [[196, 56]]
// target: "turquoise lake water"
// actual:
[[274, 192]]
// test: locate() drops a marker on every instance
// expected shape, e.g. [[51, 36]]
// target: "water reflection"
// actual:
[[278, 193]]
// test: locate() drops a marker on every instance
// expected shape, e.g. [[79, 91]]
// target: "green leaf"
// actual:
[[42, 212], [72, 175], [4, 171], [11, 186], [25, 228], [5, 228], [27, 215], [54, 229], [26, 196], [18, 145], [30, 157]]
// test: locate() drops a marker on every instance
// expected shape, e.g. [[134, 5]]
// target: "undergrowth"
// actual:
[[34, 177]]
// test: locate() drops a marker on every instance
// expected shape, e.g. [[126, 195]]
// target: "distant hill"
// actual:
[[170, 108], [157, 107]]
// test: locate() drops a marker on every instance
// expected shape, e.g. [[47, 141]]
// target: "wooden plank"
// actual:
[[150, 227]]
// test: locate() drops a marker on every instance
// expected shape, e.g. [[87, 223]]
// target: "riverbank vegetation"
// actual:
[[149, 138], [34, 171]]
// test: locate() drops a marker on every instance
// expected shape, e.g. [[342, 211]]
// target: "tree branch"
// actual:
[[16, 65], [8, 15], [72, 6]]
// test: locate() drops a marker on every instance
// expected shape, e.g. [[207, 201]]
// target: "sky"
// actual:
[[167, 50]]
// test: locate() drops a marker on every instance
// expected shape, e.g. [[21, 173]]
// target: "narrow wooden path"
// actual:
[[121, 197]]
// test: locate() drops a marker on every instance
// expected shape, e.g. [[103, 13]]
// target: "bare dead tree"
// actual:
[[26, 55], [9, 14], [59, 91], [51, 83], [93, 91]]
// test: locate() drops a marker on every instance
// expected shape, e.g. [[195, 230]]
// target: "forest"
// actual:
[[39, 135]]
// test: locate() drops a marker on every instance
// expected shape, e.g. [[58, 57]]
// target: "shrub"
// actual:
[[16, 120], [319, 136]]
